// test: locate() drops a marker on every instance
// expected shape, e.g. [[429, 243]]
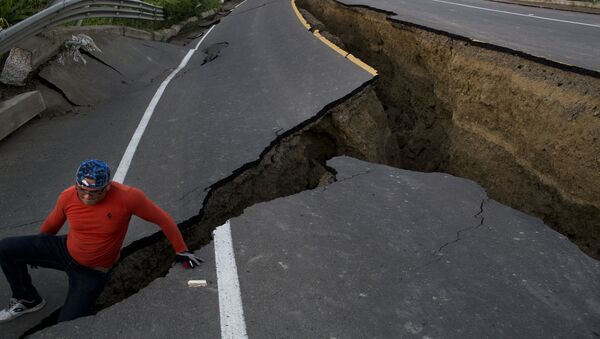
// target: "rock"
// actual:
[[17, 67], [26, 57]]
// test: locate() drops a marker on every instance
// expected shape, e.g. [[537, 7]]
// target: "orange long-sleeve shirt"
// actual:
[[97, 231]]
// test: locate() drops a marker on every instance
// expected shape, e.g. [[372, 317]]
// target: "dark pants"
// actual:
[[85, 284]]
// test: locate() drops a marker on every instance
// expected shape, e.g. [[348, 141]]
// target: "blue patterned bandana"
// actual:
[[93, 174]]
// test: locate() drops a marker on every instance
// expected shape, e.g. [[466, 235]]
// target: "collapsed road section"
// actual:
[[526, 129], [212, 120], [295, 161], [364, 124]]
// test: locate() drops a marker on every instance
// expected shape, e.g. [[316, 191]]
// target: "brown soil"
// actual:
[[528, 132]]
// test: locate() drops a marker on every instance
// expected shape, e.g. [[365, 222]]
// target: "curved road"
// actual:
[[269, 76]]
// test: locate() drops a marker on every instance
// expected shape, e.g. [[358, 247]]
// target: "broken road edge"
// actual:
[[331, 45]]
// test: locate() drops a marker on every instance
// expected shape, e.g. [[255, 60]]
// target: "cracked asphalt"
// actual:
[[382, 252], [390, 253], [267, 74]]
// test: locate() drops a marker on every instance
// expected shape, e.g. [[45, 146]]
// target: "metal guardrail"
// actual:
[[71, 10]]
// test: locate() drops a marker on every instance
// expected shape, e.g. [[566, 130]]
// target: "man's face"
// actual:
[[91, 196]]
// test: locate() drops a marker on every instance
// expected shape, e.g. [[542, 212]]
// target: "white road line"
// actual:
[[239, 4], [518, 14], [233, 325], [139, 132]]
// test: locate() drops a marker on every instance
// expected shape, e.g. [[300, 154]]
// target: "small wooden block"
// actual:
[[197, 283]]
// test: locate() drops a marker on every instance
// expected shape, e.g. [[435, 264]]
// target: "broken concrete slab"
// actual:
[[56, 103], [84, 84], [123, 65], [29, 54], [391, 253], [382, 252], [18, 110]]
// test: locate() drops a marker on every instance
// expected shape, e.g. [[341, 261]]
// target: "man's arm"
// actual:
[[56, 219], [149, 211]]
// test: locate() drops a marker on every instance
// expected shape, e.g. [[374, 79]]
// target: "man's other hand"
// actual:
[[188, 259]]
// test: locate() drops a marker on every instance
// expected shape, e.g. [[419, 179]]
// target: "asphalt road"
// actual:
[[39, 160], [316, 264], [381, 253], [566, 37], [269, 76]]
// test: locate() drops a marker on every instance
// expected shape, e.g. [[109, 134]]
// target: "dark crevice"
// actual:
[[50, 320], [102, 62], [483, 112], [58, 90], [302, 150], [439, 254], [294, 162]]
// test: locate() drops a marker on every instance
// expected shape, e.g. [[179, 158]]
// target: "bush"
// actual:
[[206, 5], [13, 11], [178, 10]]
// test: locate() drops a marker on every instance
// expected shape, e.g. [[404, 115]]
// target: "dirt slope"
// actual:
[[527, 129]]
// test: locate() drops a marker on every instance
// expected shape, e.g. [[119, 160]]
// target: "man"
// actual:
[[98, 211]]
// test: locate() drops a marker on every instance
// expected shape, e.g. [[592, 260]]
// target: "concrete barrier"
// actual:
[[16, 111]]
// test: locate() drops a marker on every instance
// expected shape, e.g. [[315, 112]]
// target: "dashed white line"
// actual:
[[139, 132], [518, 14], [233, 325]]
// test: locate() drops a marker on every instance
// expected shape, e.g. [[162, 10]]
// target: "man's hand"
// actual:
[[188, 259]]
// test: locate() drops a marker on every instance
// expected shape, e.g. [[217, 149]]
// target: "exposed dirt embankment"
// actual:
[[528, 132]]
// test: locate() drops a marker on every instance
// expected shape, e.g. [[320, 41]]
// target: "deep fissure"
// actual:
[[295, 161], [384, 121], [523, 127]]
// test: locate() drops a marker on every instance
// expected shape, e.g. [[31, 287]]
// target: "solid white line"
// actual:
[[139, 132], [239, 4], [517, 14], [233, 325]]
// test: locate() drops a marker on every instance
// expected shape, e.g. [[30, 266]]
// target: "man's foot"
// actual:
[[17, 308]]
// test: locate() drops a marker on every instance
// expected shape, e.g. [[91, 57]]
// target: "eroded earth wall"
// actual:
[[525, 129]]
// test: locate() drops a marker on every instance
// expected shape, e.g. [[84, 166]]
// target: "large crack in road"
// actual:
[[525, 128], [432, 109], [295, 161]]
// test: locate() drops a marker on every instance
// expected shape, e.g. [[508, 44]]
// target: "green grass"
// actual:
[[13, 11]]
